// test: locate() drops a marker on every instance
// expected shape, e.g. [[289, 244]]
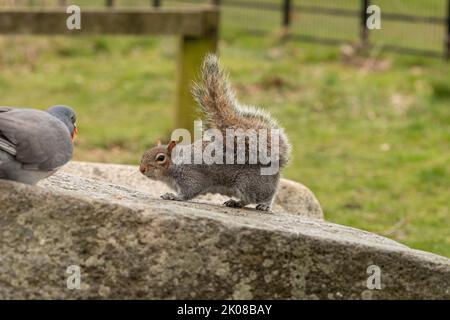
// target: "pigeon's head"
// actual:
[[67, 116], [157, 160]]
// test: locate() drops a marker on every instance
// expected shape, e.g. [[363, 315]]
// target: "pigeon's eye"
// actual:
[[160, 158]]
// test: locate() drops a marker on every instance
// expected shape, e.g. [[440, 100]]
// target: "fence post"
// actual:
[[364, 34], [156, 3], [192, 50], [287, 13], [216, 2], [447, 40], [62, 3], [110, 3]]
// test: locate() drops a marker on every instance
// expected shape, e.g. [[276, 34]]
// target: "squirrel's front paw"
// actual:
[[169, 196]]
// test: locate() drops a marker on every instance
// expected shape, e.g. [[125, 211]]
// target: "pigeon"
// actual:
[[34, 144]]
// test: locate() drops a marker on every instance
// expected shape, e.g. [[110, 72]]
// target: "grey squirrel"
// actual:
[[243, 181]]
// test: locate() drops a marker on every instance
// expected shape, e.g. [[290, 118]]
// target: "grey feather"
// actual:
[[7, 146]]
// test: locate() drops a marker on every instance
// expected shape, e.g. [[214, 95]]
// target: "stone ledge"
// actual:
[[130, 244]]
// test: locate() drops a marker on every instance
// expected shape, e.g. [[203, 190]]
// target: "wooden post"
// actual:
[[215, 2], [364, 34], [110, 3], [156, 3], [287, 11], [286, 18], [447, 41], [62, 3], [192, 50]]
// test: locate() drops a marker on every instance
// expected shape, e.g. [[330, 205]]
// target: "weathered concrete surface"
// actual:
[[291, 197], [129, 244]]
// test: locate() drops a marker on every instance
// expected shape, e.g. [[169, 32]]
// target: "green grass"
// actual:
[[371, 134]]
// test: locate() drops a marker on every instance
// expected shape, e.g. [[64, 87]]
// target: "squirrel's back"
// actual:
[[222, 111]]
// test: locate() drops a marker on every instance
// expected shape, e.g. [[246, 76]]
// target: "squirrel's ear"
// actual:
[[158, 143], [171, 145]]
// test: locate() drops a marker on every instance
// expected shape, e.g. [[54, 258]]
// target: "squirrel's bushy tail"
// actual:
[[222, 111]]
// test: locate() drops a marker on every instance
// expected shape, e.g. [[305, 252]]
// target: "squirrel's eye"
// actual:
[[160, 158]]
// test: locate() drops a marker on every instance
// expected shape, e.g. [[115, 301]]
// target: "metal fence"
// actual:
[[409, 26]]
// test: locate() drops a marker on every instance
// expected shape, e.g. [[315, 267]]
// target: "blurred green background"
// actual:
[[370, 133]]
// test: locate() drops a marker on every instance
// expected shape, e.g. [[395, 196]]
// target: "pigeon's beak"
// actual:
[[75, 132]]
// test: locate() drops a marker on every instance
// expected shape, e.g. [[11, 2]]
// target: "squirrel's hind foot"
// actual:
[[263, 207], [234, 204], [170, 196]]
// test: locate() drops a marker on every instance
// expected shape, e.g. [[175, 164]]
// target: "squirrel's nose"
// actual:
[[143, 169]]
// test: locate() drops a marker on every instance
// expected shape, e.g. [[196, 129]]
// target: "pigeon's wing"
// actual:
[[41, 141]]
